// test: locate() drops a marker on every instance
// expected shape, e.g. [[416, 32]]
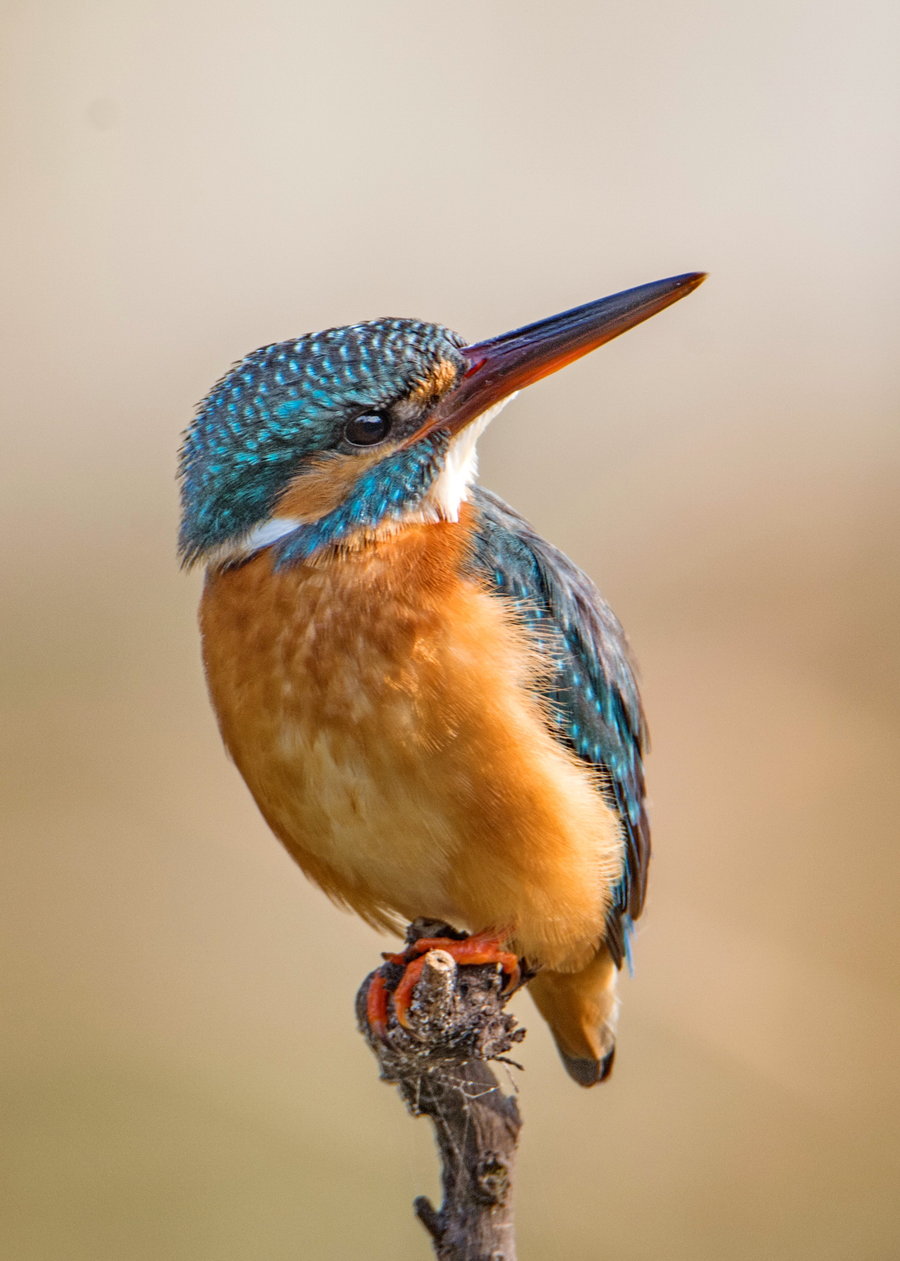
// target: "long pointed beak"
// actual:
[[505, 364]]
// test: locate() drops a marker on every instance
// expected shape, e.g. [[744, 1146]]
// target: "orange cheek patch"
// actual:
[[324, 485]]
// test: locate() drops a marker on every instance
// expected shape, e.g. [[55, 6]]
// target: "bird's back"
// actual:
[[594, 705]]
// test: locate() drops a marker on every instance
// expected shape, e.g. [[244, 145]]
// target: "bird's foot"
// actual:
[[479, 949], [377, 1006]]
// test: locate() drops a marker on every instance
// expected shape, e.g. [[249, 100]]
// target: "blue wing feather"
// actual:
[[594, 703]]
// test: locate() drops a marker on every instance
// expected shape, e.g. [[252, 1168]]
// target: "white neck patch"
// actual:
[[450, 489], [262, 535]]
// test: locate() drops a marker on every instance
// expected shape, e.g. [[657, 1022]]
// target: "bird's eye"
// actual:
[[365, 431]]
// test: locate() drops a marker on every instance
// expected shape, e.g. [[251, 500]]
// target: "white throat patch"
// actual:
[[450, 488]]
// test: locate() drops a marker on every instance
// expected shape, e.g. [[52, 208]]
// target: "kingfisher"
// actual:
[[434, 709]]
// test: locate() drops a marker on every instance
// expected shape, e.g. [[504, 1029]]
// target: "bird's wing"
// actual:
[[594, 703]]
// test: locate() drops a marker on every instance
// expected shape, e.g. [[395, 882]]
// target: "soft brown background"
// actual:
[[185, 181]]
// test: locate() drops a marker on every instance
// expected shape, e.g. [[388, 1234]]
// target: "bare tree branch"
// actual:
[[457, 1023]]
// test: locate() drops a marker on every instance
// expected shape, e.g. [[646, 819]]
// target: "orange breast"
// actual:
[[384, 711]]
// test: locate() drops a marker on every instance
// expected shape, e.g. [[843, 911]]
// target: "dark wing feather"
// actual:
[[593, 698]]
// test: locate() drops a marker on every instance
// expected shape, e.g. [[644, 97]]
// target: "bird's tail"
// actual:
[[581, 1009]]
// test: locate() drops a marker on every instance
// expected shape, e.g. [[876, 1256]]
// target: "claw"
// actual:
[[469, 951], [472, 951], [480, 948], [403, 994]]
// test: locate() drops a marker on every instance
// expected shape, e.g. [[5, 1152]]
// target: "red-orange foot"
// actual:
[[481, 948], [478, 949], [377, 1006]]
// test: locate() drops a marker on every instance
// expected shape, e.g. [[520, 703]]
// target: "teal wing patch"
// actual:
[[594, 703]]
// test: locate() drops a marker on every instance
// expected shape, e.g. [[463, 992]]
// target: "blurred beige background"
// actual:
[[184, 182]]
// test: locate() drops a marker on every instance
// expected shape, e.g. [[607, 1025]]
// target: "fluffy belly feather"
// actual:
[[384, 712]]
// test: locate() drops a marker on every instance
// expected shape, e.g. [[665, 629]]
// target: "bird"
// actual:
[[434, 709]]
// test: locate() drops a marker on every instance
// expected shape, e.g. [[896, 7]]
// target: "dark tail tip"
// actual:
[[589, 1072]]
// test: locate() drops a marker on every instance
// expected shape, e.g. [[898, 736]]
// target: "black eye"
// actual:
[[365, 431]]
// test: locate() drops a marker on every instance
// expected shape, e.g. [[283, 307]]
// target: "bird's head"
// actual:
[[336, 436]]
